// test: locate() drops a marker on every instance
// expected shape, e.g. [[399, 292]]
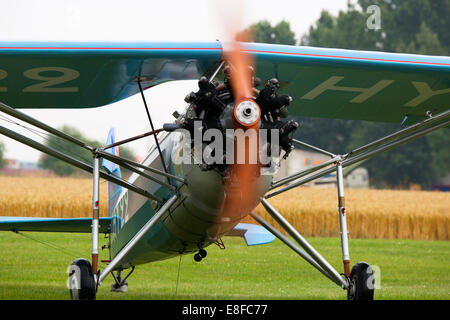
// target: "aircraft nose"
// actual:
[[247, 114]]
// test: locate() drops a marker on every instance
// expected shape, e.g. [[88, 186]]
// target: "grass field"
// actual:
[[410, 269]]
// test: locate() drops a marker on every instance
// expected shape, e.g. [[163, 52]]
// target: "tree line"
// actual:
[[419, 27], [62, 168]]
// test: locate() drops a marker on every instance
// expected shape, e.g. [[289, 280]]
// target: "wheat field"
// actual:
[[389, 214], [49, 197]]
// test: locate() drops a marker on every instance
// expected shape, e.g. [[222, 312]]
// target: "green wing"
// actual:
[[82, 225], [329, 83], [358, 85], [82, 75]]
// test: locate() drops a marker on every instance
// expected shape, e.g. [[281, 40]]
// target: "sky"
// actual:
[[136, 20]]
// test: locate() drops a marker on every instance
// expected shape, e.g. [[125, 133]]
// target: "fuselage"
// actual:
[[197, 219]]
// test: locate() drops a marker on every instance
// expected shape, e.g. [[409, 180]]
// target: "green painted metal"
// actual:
[[83, 75], [330, 83], [154, 246], [82, 225], [358, 85], [191, 222]]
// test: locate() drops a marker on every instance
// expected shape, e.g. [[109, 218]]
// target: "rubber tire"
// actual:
[[202, 253], [363, 282], [82, 278], [197, 257]]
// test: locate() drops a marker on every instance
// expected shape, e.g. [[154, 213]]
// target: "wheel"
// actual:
[[202, 253], [197, 257], [361, 282], [81, 282]]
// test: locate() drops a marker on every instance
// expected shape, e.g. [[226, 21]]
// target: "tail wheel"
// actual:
[[82, 285], [361, 282]]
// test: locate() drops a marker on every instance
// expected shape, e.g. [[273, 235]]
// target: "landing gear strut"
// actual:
[[120, 285], [200, 254]]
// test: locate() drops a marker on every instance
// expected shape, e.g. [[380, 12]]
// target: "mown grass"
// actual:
[[410, 269]]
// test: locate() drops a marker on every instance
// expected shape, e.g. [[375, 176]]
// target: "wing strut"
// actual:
[[290, 244], [336, 165], [79, 164], [95, 168], [153, 128], [365, 152], [96, 152]]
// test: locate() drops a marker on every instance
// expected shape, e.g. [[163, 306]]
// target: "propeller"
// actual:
[[242, 189]]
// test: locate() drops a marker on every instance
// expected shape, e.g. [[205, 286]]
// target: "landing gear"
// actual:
[[197, 257], [361, 282], [120, 284], [82, 283], [123, 287], [200, 255]]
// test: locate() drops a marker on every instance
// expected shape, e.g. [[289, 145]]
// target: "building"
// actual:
[[12, 164], [15, 167], [22, 165], [298, 160], [442, 184]]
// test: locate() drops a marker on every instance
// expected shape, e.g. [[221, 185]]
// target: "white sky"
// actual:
[[135, 20]]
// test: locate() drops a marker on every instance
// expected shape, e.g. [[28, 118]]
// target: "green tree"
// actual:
[[347, 30], [439, 141], [426, 42], [2, 151], [405, 164], [62, 168], [419, 27], [402, 22], [264, 32]]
